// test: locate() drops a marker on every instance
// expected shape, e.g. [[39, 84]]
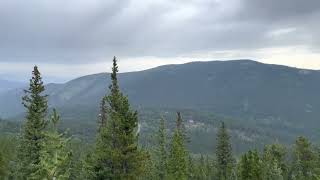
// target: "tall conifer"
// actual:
[[32, 135], [117, 155], [250, 166], [55, 158], [161, 152], [304, 160], [178, 157], [3, 170], [225, 161]]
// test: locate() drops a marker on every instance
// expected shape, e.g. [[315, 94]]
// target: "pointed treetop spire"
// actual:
[[114, 87], [179, 121]]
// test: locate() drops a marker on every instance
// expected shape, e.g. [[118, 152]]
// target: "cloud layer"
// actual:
[[80, 32]]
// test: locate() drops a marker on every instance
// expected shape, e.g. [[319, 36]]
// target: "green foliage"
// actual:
[[8, 146], [44, 153], [32, 134], [225, 160], [250, 166], [55, 158], [161, 153], [274, 162], [304, 160], [3, 169], [117, 155], [272, 171], [178, 157], [204, 169]]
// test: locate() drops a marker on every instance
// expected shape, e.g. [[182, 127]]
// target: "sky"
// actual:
[[68, 39]]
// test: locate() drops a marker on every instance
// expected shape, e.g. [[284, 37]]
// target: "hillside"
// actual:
[[234, 88], [262, 102], [6, 85]]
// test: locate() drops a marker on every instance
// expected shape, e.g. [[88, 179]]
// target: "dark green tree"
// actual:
[[225, 160], [274, 161], [3, 168], [192, 168], [55, 158], [117, 155], [304, 160], [161, 152], [32, 135], [202, 169], [178, 157], [250, 166], [272, 171]]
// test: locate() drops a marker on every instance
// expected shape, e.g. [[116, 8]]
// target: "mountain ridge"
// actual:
[[228, 87]]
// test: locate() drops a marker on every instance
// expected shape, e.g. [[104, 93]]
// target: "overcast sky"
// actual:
[[70, 38]]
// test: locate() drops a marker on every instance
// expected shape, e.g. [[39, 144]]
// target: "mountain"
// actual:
[[272, 101], [235, 88], [6, 85]]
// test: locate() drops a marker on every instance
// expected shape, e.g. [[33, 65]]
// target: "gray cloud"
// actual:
[[59, 31]]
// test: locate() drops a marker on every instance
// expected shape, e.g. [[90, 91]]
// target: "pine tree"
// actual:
[[304, 160], [250, 166], [117, 155], [272, 171], [225, 161], [103, 114], [274, 160], [192, 168], [32, 135], [178, 157], [202, 171], [161, 152], [3, 170], [55, 158]]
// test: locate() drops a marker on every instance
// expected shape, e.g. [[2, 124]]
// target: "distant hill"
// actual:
[[276, 101], [6, 85], [237, 88]]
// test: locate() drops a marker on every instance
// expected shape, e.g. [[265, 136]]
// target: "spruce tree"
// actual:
[[250, 166], [272, 171], [3, 170], [161, 152], [117, 155], [55, 158], [274, 160], [225, 161], [304, 160], [202, 169], [192, 168], [178, 157], [32, 135]]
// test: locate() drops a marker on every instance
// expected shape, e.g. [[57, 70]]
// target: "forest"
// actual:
[[44, 150]]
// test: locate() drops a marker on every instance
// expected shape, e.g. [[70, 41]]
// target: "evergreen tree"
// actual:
[[182, 127], [272, 171], [250, 166], [3, 170], [192, 168], [117, 155], [304, 160], [55, 158], [32, 135], [274, 160], [161, 152], [178, 157], [202, 169], [103, 114], [225, 161]]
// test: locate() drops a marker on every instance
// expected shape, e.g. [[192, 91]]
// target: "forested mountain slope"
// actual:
[[261, 102], [240, 88]]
